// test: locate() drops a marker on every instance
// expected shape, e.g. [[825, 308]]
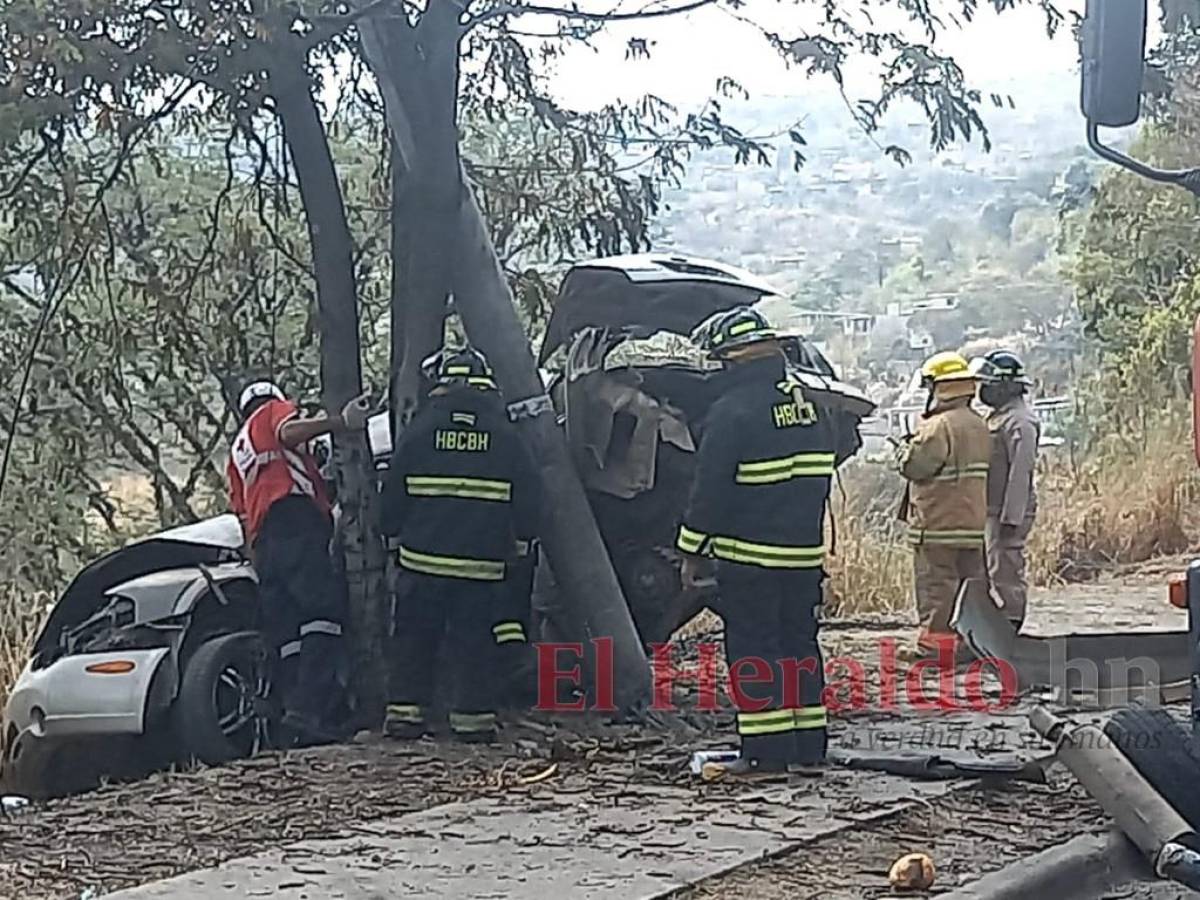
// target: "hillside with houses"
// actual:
[[880, 262]]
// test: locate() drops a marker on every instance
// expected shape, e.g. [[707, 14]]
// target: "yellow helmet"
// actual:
[[946, 366]]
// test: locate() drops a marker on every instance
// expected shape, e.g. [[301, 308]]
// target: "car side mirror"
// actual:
[[1113, 41]]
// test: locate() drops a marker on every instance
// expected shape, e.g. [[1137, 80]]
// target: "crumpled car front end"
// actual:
[[105, 664]]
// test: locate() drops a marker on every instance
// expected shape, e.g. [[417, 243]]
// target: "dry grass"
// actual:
[[1129, 501], [21, 617], [870, 569]]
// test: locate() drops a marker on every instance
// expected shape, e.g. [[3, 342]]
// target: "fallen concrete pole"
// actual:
[[1100, 669], [574, 546], [1145, 818], [1081, 869]]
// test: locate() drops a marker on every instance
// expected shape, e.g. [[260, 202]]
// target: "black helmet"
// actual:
[[459, 368], [732, 328], [1000, 366]]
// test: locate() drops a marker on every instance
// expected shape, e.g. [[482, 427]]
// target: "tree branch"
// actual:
[[526, 9]]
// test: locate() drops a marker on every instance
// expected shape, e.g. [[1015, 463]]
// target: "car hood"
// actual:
[[646, 293], [219, 531], [209, 541]]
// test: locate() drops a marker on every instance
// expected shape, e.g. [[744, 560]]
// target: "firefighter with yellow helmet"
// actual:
[[946, 466]]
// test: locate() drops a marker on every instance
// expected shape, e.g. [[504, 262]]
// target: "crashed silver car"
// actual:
[[632, 391], [151, 654]]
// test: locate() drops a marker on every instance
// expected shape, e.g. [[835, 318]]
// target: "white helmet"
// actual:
[[256, 391]]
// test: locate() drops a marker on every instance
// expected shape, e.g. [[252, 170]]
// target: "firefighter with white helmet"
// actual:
[[946, 466], [277, 491]]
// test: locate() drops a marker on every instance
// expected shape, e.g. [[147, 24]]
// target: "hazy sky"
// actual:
[[691, 51]]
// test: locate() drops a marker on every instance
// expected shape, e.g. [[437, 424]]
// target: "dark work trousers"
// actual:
[[444, 631], [771, 616], [511, 631], [303, 605]]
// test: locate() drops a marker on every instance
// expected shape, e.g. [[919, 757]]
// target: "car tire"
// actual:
[[225, 708], [1163, 751]]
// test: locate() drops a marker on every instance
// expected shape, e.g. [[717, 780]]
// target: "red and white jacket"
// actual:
[[262, 470]]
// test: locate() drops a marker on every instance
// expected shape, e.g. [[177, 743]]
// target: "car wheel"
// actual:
[[226, 708], [1166, 755]]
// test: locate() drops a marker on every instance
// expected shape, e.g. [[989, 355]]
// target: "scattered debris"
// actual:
[[545, 775], [13, 805], [912, 872], [711, 760]]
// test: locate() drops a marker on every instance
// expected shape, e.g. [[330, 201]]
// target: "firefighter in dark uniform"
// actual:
[[757, 507], [460, 494]]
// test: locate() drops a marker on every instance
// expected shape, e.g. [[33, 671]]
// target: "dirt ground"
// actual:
[[124, 835], [967, 834]]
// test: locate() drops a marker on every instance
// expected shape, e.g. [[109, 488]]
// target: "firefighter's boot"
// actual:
[[473, 728], [405, 722]]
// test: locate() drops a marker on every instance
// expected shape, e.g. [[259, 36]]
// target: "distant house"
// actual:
[[826, 322], [931, 303]]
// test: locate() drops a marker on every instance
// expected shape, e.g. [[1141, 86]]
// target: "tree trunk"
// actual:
[[582, 568], [419, 66], [341, 378], [573, 543]]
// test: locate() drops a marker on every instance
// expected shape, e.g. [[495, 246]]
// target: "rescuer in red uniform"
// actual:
[[277, 491]]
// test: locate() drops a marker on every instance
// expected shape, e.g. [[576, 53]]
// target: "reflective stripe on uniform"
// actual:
[[975, 470], [302, 484], [810, 718], [771, 721], [291, 648], [949, 536], [771, 556], [466, 723], [690, 541], [458, 486], [321, 626], [451, 566], [250, 475], [409, 713], [508, 632], [772, 471]]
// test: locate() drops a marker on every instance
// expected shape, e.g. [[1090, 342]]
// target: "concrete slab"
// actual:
[[580, 836], [637, 842]]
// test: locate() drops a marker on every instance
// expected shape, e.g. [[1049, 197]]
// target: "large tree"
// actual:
[[83, 86]]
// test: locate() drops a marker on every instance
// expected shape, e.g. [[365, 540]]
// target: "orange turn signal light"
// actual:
[[1177, 591], [112, 667]]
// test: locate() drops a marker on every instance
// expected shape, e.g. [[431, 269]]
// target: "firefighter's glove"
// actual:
[[356, 412]]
